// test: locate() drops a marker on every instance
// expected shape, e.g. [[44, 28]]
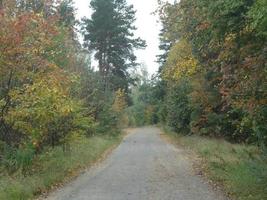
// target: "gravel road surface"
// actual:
[[143, 167]]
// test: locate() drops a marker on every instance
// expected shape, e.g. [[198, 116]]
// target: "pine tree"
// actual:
[[109, 33], [165, 46], [66, 11]]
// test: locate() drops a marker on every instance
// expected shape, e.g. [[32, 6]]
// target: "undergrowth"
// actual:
[[240, 169], [53, 167]]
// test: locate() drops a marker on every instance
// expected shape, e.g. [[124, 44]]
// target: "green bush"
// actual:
[[178, 107], [17, 158]]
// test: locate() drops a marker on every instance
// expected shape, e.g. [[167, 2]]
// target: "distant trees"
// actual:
[[109, 34], [145, 97]]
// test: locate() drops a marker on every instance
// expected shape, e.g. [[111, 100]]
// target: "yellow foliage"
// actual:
[[38, 106], [38, 68], [180, 62], [120, 102]]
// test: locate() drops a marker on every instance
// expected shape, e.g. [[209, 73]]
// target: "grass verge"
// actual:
[[240, 169], [54, 167]]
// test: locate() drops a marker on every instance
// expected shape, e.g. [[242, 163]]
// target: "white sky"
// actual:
[[148, 28]]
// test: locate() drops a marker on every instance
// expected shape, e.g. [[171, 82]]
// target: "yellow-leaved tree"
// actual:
[[180, 61], [119, 106], [44, 111]]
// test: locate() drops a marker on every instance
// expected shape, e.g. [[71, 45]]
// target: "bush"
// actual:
[[178, 107], [13, 159]]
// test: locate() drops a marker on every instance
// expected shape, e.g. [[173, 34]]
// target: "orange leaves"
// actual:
[[39, 53], [23, 39], [39, 91], [26, 43], [203, 26]]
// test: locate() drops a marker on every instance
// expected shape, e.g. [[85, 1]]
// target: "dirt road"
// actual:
[[143, 167]]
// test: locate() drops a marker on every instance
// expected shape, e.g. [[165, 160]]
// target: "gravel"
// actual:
[[143, 167]]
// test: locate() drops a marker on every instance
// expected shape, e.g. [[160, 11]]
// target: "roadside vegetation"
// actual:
[[53, 167], [210, 89], [241, 169], [57, 113], [212, 79]]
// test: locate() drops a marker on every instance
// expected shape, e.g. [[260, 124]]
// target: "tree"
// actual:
[[109, 33], [40, 66], [213, 68], [120, 102], [67, 13], [165, 41], [180, 62]]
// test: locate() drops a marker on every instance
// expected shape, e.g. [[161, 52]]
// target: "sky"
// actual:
[[148, 28]]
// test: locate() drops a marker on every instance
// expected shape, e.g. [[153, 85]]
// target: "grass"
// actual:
[[240, 169], [54, 167]]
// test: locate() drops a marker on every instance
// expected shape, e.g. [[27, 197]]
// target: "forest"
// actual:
[[212, 76], [50, 96], [49, 91], [58, 113]]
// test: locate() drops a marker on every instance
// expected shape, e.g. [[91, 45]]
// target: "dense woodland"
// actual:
[[211, 81], [212, 77], [49, 93]]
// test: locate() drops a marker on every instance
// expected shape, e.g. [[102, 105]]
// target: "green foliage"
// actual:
[[109, 33], [53, 167], [108, 121], [52, 103], [45, 80], [144, 109], [258, 16], [13, 159], [214, 66], [241, 169], [67, 13], [178, 108]]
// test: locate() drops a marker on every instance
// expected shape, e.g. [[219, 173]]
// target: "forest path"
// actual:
[[143, 167]]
